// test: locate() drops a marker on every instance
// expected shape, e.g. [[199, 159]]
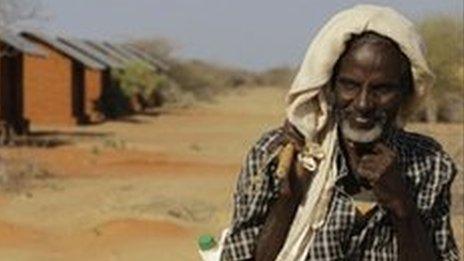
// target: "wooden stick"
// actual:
[[285, 160]]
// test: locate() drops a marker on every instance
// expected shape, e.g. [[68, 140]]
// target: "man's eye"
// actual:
[[385, 89], [348, 86]]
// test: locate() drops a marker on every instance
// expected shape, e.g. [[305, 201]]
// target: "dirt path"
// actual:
[[142, 188]]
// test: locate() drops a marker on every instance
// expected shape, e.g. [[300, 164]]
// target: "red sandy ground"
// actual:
[[151, 185]]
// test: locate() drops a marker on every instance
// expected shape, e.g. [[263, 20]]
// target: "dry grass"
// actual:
[[16, 175]]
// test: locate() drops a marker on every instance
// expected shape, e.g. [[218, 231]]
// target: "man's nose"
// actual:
[[364, 101]]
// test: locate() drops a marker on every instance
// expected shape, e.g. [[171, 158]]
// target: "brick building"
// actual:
[[105, 50], [62, 88], [97, 82], [135, 102], [13, 48], [114, 103], [131, 57]]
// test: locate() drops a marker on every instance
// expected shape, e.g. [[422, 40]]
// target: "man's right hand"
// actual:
[[294, 184], [297, 180]]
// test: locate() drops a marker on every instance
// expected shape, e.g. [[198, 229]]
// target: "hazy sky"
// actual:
[[255, 34]]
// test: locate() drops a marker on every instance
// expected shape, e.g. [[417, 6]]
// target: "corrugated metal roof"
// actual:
[[108, 51], [91, 51], [130, 56], [121, 52], [156, 62], [145, 57], [67, 50], [21, 44]]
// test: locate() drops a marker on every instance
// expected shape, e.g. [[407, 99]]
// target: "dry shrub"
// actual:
[[16, 175], [444, 38], [279, 76], [204, 80], [158, 47], [451, 108]]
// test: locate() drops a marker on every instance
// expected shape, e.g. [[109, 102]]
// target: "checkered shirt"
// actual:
[[346, 234]]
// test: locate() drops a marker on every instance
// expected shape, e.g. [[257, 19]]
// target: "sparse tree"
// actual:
[[159, 47], [15, 13]]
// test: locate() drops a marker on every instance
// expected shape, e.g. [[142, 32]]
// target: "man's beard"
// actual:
[[360, 135]]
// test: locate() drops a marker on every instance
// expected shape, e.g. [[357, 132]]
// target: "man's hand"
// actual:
[[297, 180], [380, 169], [378, 165], [294, 185]]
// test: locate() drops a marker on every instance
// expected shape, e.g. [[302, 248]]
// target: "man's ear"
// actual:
[[329, 94], [406, 104]]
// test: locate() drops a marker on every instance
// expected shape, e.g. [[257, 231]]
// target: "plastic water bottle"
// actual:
[[210, 250]]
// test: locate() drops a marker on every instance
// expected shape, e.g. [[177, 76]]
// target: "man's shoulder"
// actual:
[[265, 149], [424, 156], [269, 141], [416, 143]]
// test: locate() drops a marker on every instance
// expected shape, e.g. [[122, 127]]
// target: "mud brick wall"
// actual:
[[94, 83], [11, 89], [48, 88], [2, 84]]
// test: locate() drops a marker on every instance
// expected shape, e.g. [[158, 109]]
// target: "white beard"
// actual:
[[361, 136]]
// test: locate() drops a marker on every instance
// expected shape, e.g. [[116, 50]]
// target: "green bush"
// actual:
[[132, 87], [138, 78], [138, 81], [114, 102]]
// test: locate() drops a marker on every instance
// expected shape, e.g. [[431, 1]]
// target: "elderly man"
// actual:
[[342, 180]]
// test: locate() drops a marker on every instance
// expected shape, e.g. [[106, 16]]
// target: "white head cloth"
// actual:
[[308, 110]]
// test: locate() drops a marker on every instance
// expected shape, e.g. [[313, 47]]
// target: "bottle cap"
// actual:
[[206, 242]]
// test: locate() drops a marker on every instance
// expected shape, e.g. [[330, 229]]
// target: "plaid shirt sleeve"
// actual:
[[437, 217], [257, 187]]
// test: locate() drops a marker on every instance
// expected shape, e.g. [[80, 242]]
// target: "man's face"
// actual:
[[368, 91]]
